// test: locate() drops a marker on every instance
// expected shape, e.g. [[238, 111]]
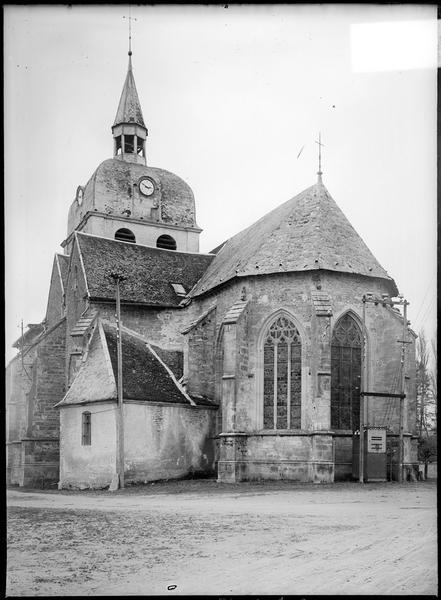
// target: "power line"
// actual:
[[425, 295]]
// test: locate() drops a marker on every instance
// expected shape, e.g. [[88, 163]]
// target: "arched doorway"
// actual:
[[346, 346]]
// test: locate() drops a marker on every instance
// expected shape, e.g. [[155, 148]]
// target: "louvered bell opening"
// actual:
[[166, 242], [125, 235]]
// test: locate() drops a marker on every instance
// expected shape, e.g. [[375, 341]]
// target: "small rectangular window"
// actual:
[[86, 429]]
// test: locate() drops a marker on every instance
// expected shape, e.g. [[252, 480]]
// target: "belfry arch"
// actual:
[[346, 353]]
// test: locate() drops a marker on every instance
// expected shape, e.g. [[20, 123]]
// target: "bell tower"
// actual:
[[128, 201], [129, 130]]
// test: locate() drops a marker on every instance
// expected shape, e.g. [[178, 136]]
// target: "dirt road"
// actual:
[[206, 538]]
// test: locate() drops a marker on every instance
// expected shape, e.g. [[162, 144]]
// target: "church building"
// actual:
[[245, 363]]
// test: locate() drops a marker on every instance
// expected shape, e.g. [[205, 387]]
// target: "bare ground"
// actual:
[[200, 537]]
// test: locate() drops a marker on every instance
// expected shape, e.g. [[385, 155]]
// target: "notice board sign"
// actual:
[[376, 441]]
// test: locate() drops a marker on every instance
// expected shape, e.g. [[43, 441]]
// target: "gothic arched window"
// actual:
[[282, 375], [125, 235], [346, 348]]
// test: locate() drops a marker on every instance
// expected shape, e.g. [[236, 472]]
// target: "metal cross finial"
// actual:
[[319, 172], [130, 18]]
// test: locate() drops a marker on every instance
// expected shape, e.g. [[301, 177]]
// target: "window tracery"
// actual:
[[346, 346], [282, 375]]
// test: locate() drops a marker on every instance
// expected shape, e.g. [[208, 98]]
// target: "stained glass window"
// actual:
[[282, 376], [346, 346]]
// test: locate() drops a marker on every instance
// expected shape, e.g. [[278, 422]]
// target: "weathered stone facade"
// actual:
[[326, 454], [33, 432]]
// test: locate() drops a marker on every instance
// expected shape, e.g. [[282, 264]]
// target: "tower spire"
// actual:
[[319, 172], [129, 130]]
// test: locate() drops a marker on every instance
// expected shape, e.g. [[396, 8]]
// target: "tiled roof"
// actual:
[[150, 272], [144, 376], [174, 359], [307, 232], [129, 108]]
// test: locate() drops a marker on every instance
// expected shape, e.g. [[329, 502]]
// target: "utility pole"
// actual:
[[362, 399], [120, 412], [387, 301], [22, 349], [403, 384]]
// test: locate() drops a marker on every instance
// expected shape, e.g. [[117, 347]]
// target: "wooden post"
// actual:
[[403, 384], [362, 399], [120, 459]]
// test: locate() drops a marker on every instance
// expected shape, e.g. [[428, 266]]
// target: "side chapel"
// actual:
[[245, 363]]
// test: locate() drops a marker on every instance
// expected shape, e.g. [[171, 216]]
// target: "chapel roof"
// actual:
[[305, 233], [129, 108], [145, 376], [150, 272]]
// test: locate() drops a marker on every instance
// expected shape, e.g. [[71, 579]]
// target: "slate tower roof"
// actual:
[[305, 233], [129, 108]]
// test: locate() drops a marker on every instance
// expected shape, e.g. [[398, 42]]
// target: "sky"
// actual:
[[234, 99]]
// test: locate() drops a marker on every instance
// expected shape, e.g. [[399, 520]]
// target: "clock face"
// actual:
[[146, 187], [80, 195]]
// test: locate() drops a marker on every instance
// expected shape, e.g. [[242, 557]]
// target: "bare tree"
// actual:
[[423, 382], [434, 377]]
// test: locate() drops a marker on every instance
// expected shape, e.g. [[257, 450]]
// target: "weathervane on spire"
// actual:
[[319, 172]]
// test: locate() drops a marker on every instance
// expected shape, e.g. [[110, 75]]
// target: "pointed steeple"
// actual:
[[129, 108], [129, 130]]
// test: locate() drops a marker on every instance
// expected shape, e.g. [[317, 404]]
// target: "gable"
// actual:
[[94, 380]]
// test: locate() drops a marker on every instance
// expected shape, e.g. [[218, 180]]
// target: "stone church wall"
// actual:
[[18, 385], [161, 442], [200, 357], [292, 292], [49, 383], [159, 326], [33, 458]]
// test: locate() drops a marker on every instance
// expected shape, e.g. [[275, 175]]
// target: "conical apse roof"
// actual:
[[307, 232]]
